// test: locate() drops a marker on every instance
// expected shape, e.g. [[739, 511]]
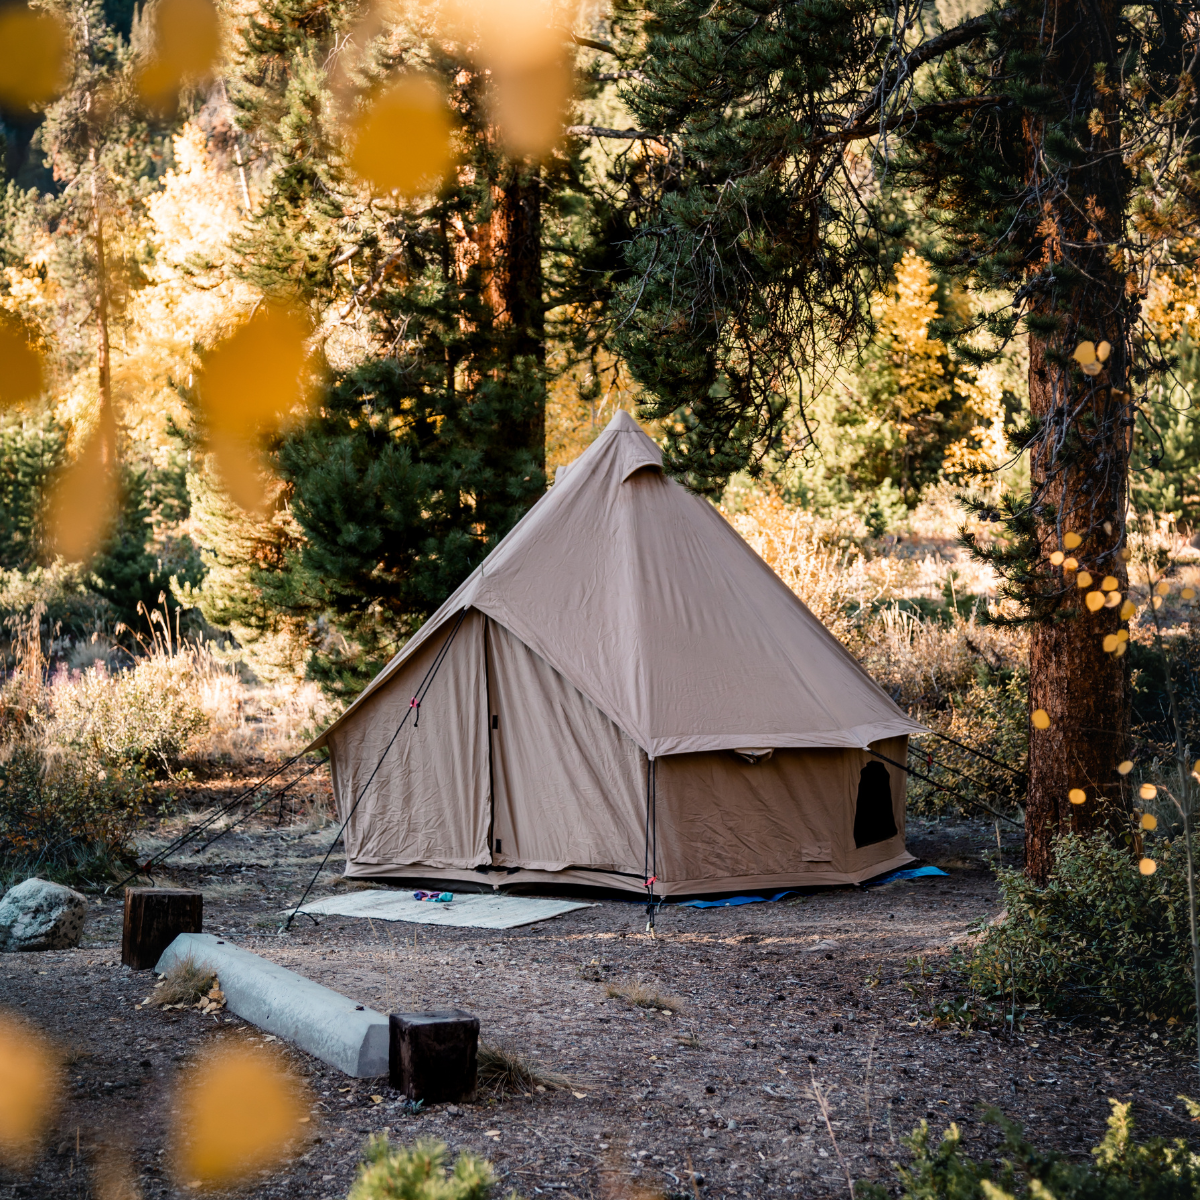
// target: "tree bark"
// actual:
[[1079, 460]]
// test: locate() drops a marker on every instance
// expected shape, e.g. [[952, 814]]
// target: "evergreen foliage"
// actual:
[[752, 250], [31, 450], [429, 443]]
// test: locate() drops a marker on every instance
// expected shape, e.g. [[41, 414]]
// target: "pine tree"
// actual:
[[1029, 133], [430, 441]]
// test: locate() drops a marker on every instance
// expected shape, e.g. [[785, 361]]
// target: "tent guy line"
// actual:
[[414, 706], [949, 791]]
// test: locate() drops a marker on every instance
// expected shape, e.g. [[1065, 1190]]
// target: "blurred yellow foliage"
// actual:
[[1040, 719], [29, 1089], [34, 64], [239, 1110], [401, 141], [187, 41]]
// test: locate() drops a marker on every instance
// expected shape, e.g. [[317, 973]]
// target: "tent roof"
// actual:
[[645, 598]]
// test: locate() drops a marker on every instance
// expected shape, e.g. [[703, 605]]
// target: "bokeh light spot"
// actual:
[[1147, 866], [34, 62], [1077, 796], [22, 371], [1149, 821], [1125, 767], [239, 1111], [401, 142], [1040, 718], [187, 42], [1147, 791], [29, 1089]]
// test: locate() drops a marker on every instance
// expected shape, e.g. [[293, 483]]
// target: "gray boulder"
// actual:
[[39, 915]]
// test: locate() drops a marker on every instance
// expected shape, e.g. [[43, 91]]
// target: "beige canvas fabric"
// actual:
[[646, 600], [622, 621]]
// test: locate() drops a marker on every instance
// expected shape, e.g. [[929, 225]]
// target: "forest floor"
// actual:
[[782, 1005]]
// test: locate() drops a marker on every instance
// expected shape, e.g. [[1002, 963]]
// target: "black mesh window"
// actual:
[[873, 817]]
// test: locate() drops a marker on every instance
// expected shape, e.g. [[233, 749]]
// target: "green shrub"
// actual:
[[1098, 938], [1123, 1169], [63, 818], [144, 718], [419, 1173]]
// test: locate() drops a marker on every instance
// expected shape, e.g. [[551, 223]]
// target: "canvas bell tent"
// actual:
[[623, 691]]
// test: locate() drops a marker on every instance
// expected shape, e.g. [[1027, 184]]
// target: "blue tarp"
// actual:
[[731, 901]]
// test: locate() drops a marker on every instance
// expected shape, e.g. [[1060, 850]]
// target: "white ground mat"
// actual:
[[475, 911]]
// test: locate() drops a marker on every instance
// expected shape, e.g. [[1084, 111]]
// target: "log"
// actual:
[[154, 918], [432, 1055]]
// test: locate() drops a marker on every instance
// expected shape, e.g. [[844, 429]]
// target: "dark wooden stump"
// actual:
[[154, 917], [431, 1055]]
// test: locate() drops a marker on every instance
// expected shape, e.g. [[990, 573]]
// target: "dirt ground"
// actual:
[[781, 1006]]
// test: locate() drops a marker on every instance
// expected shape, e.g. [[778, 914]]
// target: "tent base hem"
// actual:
[[500, 877]]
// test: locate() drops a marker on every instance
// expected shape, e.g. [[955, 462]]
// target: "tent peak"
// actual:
[[622, 422]]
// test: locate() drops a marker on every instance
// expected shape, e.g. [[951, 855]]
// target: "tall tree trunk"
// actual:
[[1080, 460], [510, 256]]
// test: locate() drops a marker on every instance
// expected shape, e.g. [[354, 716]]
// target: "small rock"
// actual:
[[39, 915]]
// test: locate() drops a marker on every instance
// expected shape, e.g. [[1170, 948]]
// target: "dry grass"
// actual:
[[643, 995], [502, 1069], [185, 983]]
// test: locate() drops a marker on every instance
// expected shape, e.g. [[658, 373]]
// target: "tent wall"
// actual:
[[429, 802], [569, 785], [719, 817]]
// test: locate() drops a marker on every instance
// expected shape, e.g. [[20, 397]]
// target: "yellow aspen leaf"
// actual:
[[1122, 635], [29, 1090], [1040, 718], [1157, 601], [1077, 796], [1057, 558], [1149, 821], [1127, 610], [1162, 587], [1125, 767], [1070, 564], [1121, 649], [1092, 368], [1072, 539], [1103, 351], [401, 141], [1147, 866], [239, 1110], [1147, 791], [1125, 554], [1112, 599], [1110, 583], [1188, 593], [22, 371], [1110, 643], [1094, 601], [1085, 353], [34, 56], [1083, 580]]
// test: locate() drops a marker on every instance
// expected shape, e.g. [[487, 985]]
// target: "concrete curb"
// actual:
[[315, 1018]]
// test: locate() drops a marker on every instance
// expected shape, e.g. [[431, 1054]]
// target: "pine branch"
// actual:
[[601, 131], [920, 55], [593, 44], [942, 108]]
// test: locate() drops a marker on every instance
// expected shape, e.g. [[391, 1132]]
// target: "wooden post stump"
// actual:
[[154, 917], [431, 1055]]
